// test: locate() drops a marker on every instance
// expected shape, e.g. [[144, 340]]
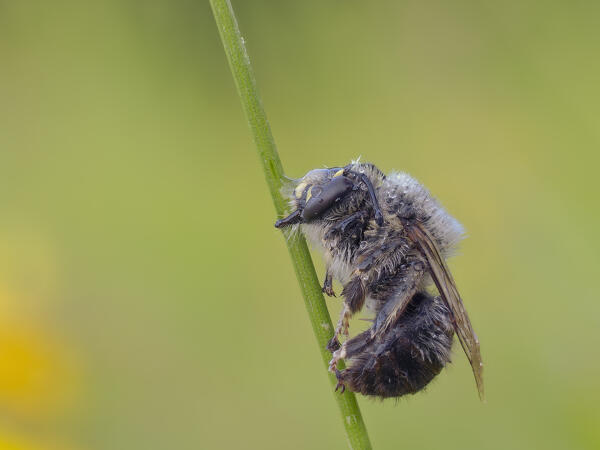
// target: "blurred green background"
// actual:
[[146, 301]]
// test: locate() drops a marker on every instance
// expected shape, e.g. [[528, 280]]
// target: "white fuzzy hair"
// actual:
[[445, 228]]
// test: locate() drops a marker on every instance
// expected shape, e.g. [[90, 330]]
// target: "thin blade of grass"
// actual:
[[305, 271]]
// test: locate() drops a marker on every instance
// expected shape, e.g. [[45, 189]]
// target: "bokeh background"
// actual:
[[146, 301]]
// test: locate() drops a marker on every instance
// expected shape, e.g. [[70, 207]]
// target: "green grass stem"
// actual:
[[241, 70]]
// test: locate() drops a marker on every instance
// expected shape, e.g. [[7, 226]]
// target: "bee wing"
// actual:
[[447, 287]]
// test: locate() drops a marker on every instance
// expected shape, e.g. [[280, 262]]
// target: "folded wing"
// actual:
[[447, 288]]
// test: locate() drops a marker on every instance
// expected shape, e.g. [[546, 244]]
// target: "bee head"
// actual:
[[321, 189], [316, 192]]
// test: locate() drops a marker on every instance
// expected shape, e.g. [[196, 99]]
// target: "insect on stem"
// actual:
[[241, 70]]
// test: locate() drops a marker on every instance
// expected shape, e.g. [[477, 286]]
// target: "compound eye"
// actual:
[[320, 198], [314, 191]]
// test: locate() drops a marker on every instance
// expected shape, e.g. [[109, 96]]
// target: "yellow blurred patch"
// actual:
[[37, 370], [39, 375], [10, 441], [36, 376]]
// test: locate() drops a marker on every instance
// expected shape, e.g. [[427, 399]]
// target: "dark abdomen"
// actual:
[[407, 356]]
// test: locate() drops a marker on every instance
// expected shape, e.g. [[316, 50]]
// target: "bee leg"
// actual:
[[343, 322], [333, 344], [354, 293], [340, 227], [327, 284], [408, 285], [358, 344], [342, 328], [340, 382], [337, 355]]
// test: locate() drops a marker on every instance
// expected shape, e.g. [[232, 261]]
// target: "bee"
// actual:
[[386, 240]]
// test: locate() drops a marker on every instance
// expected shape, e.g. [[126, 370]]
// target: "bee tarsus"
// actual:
[[340, 382], [337, 355], [333, 344], [328, 284]]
